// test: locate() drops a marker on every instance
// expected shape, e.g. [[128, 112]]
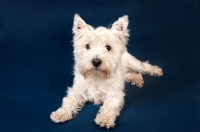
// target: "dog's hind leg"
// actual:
[[133, 64], [135, 78]]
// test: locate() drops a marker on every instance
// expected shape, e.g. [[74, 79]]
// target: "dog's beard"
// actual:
[[96, 73], [104, 71]]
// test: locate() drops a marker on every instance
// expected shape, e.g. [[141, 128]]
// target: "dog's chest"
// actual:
[[96, 93]]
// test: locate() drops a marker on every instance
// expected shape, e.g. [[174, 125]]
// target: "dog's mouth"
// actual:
[[96, 73], [96, 69]]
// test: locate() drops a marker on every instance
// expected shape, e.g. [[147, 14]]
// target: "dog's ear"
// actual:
[[119, 28], [79, 24]]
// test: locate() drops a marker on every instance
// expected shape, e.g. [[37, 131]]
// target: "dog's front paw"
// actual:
[[60, 116], [157, 71], [105, 121]]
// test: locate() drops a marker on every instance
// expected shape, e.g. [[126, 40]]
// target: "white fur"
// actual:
[[104, 84]]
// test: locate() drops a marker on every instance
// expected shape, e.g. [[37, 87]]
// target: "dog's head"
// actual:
[[98, 51]]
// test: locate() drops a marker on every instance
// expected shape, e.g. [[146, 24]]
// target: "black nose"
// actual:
[[96, 62]]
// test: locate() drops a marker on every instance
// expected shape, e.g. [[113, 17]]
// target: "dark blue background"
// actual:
[[36, 63]]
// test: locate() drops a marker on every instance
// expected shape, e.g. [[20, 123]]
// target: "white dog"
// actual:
[[102, 65]]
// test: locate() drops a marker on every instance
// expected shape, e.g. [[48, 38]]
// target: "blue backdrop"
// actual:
[[36, 64]]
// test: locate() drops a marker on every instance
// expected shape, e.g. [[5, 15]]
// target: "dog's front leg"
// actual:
[[70, 106], [109, 111]]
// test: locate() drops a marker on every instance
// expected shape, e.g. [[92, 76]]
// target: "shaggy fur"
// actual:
[[102, 80]]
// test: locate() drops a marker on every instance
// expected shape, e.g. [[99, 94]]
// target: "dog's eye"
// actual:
[[87, 46], [108, 47]]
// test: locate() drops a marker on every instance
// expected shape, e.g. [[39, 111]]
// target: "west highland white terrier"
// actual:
[[102, 65]]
